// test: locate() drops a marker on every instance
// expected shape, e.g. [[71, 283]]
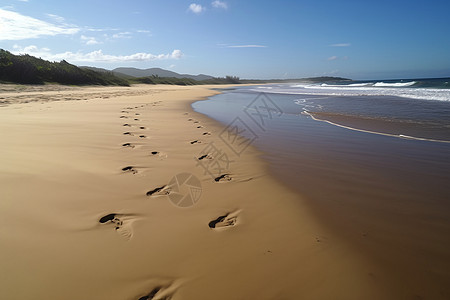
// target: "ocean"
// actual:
[[370, 158]]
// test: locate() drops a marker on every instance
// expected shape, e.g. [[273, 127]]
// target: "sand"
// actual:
[[89, 206]]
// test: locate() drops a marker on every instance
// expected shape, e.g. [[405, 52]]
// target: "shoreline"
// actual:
[[315, 117], [75, 206]]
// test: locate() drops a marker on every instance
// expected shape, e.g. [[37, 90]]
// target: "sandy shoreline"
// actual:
[[68, 164]]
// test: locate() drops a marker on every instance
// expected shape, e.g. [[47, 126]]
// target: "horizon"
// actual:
[[247, 40]]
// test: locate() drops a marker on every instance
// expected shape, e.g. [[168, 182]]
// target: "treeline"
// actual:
[[155, 79], [27, 69]]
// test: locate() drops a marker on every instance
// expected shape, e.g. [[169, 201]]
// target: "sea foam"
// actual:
[[363, 89]]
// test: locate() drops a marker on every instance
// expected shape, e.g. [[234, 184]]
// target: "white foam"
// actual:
[[335, 90], [402, 136], [397, 84], [346, 85]]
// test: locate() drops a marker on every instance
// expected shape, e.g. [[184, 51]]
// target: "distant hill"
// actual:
[[158, 72], [101, 70], [31, 70], [324, 79]]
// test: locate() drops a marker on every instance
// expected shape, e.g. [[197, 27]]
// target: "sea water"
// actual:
[[371, 159]]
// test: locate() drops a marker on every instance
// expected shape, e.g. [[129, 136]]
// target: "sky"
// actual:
[[250, 39]]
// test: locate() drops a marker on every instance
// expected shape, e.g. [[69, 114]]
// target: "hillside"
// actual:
[[27, 69], [159, 72]]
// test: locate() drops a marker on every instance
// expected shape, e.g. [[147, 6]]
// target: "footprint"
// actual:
[[152, 294], [126, 124], [142, 127], [129, 169], [142, 136], [128, 145], [123, 117], [205, 156], [128, 133], [223, 177], [206, 133], [195, 142], [159, 191], [121, 223], [226, 220], [160, 155], [200, 126], [136, 119], [137, 114], [163, 290]]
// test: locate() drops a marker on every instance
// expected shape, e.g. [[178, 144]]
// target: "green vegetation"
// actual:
[[155, 79], [27, 69]]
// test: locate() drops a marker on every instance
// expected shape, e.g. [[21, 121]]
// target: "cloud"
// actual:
[[143, 31], [196, 8], [219, 4], [88, 40], [246, 46], [340, 45], [122, 35], [57, 18], [337, 58], [176, 54], [94, 56], [15, 26]]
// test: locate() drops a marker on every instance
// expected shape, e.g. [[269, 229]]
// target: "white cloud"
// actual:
[[340, 45], [176, 54], [122, 35], [337, 58], [15, 26], [247, 46], [196, 8], [88, 40], [143, 31], [94, 56], [219, 4], [57, 18]]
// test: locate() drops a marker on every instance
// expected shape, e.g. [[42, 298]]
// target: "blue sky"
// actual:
[[250, 39]]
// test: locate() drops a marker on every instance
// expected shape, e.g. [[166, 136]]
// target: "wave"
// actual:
[[328, 118], [345, 90], [395, 84], [369, 84], [347, 85]]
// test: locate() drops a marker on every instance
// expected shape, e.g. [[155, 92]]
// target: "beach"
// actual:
[[89, 207]]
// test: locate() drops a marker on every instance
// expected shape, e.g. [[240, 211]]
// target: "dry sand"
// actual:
[[62, 171]]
